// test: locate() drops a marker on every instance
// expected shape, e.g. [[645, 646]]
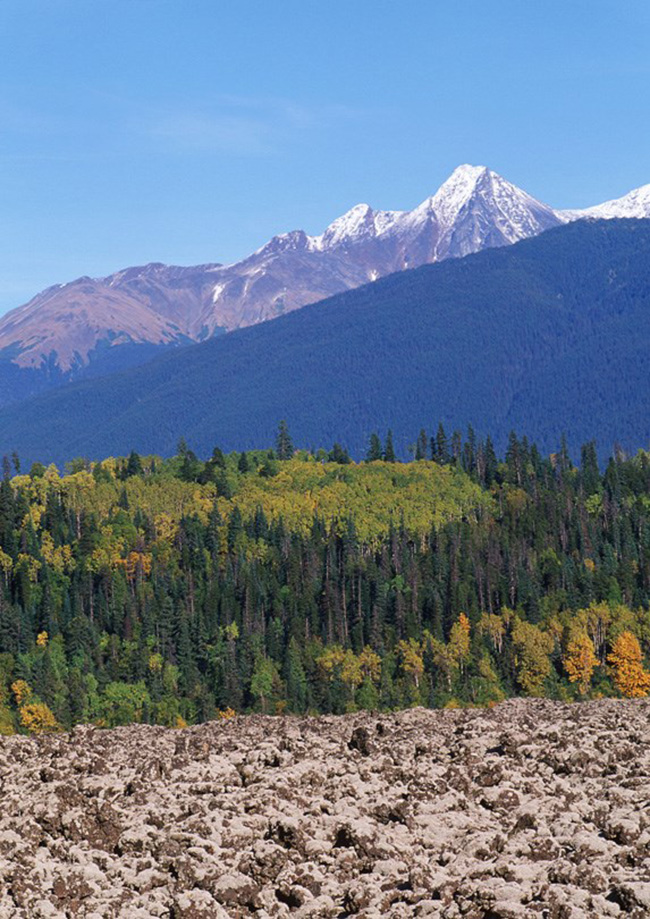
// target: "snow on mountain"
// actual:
[[635, 204], [474, 209]]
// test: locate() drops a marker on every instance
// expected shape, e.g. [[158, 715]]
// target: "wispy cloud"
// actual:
[[197, 131], [241, 125], [105, 125]]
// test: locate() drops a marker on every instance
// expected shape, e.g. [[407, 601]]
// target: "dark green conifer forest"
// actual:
[[175, 591]]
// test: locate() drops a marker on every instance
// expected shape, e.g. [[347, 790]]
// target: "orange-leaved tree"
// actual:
[[630, 676]]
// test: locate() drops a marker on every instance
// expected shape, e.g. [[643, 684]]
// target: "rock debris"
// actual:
[[529, 810]]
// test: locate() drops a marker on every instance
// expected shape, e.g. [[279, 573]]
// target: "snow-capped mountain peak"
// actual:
[[355, 222], [635, 204], [474, 209], [457, 190]]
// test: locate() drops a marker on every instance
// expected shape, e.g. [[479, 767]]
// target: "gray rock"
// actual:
[[525, 810]]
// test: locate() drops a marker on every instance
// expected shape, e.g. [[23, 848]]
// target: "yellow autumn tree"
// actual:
[[580, 660], [6, 564], [494, 627], [38, 718], [532, 649], [42, 639], [458, 646], [22, 692], [331, 660], [630, 676], [347, 666], [35, 716], [410, 653], [351, 674], [370, 664]]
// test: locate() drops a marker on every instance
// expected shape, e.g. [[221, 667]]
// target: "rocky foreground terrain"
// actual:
[[530, 809]]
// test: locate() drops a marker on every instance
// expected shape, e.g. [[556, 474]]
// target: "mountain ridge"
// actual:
[[67, 326], [547, 336]]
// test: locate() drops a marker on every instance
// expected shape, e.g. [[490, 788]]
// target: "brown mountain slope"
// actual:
[[157, 304], [474, 209], [150, 304]]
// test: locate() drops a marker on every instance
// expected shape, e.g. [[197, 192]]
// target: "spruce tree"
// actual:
[[389, 450], [283, 442], [442, 450], [421, 446], [374, 449]]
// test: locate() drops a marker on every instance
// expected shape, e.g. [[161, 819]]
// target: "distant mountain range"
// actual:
[[547, 336], [81, 328]]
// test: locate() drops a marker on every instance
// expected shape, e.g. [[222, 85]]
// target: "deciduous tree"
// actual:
[[630, 676]]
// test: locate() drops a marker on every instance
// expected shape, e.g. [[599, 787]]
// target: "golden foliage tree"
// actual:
[[630, 676], [38, 718], [411, 657], [580, 661], [532, 648], [370, 664], [35, 716], [494, 627], [22, 692], [459, 641]]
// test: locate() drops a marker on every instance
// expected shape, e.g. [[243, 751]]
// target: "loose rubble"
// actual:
[[529, 810]]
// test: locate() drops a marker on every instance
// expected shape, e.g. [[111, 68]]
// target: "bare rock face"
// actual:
[[530, 810]]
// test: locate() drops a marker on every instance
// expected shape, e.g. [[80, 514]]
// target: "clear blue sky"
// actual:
[[188, 131]]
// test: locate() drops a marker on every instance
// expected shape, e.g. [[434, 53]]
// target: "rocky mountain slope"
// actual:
[[69, 325], [528, 810], [549, 335]]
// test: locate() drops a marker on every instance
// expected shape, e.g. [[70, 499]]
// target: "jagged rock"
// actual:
[[360, 741], [530, 809]]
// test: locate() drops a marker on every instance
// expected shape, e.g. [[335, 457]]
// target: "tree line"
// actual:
[[177, 590]]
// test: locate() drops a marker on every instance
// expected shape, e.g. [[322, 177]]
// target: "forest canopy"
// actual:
[[173, 591]]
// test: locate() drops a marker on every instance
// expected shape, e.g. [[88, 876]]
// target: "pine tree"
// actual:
[[133, 465], [491, 462], [283, 442], [339, 454], [589, 471], [442, 449], [456, 447], [374, 449], [389, 450], [421, 445]]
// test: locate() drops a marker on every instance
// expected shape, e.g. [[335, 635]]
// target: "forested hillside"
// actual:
[[549, 335], [169, 591]]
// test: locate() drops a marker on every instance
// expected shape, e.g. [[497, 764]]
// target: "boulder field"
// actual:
[[529, 810]]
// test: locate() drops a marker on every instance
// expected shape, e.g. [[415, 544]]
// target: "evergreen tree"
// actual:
[[491, 462], [283, 442], [133, 465], [389, 450], [421, 445], [456, 447], [589, 471], [339, 454], [442, 449], [374, 449], [218, 459]]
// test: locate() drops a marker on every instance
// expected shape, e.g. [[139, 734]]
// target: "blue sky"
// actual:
[[189, 131]]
